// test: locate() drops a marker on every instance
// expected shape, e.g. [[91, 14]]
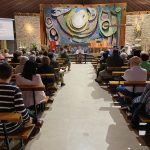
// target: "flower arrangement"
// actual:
[[138, 30]]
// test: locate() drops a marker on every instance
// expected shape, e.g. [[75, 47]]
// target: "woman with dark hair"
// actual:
[[113, 61], [102, 62], [16, 56], [29, 77], [59, 74], [46, 68]]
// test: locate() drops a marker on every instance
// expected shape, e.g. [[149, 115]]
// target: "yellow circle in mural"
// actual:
[[77, 21]]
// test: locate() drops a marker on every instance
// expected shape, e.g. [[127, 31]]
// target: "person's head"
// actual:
[[65, 47], [107, 51], [33, 52], [40, 53], [136, 52], [134, 61], [29, 70], [5, 72], [123, 50], [24, 51], [61, 49], [16, 54], [115, 52], [51, 56], [105, 55], [23, 60], [101, 53], [37, 53], [45, 60], [19, 53], [5, 51], [144, 56], [32, 58], [45, 53]]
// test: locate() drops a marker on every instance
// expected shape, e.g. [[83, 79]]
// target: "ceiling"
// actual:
[[9, 7]]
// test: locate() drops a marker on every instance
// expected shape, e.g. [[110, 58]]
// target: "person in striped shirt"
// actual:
[[11, 100]]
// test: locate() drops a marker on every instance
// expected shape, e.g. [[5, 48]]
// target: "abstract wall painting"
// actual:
[[82, 25]]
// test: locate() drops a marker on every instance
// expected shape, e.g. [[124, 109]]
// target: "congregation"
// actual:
[[117, 65], [28, 69]]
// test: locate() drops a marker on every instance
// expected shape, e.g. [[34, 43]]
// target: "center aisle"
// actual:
[[82, 118]]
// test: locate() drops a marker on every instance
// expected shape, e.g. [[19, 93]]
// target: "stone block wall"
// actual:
[[144, 21], [27, 31]]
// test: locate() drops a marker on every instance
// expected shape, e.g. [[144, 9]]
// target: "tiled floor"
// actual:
[[82, 118]]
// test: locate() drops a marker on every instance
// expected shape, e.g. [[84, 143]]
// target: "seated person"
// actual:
[[79, 56], [140, 105], [16, 56], [124, 55], [113, 61], [39, 57], [23, 60], [67, 61], [2, 58], [30, 77], [102, 63], [135, 73], [145, 61], [6, 54], [32, 58], [59, 75], [46, 68], [11, 100]]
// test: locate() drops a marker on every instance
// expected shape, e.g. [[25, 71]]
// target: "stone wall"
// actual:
[[27, 31], [144, 21]]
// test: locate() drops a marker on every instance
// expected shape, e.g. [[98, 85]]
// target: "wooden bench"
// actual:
[[48, 76], [60, 60], [128, 83], [33, 89], [117, 68], [22, 135], [121, 73], [133, 84], [144, 119], [14, 64]]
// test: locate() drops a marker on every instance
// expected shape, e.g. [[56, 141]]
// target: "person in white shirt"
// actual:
[[79, 56], [124, 55], [135, 73]]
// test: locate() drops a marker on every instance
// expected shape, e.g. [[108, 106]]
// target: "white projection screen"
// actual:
[[6, 29]]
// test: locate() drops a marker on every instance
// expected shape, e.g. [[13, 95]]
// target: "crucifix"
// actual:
[[119, 26]]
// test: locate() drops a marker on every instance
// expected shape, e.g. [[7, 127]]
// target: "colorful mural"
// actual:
[[82, 25]]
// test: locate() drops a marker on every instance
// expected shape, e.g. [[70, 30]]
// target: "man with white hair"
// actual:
[[135, 73], [23, 60], [124, 55]]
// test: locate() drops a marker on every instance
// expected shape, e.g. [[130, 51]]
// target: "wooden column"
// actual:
[[123, 28], [42, 24]]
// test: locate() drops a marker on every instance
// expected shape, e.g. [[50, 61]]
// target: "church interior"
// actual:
[[74, 75]]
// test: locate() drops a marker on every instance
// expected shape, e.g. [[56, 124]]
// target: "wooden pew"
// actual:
[[117, 68], [22, 135], [128, 83], [133, 84], [33, 89], [14, 64], [121, 73], [144, 119], [60, 60], [48, 76]]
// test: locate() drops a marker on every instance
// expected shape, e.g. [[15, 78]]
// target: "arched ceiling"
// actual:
[[9, 7]]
